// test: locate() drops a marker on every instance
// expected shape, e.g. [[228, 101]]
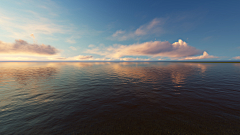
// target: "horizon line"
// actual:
[[229, 61]]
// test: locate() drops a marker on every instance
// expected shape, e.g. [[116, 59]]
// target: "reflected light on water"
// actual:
[[119, 98]]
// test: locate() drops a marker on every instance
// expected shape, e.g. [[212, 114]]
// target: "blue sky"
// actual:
[[130, 30]]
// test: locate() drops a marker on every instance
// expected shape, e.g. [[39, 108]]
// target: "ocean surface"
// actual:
[[119, 98]]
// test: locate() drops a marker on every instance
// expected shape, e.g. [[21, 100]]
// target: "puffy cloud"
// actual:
[[148, 29], [23, 47], [237, 57], [204, 56], [156, 48], [73, 48]]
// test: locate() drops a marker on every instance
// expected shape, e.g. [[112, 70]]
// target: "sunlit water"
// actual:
[[119, 98]]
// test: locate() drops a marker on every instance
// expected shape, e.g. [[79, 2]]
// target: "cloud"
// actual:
[[23, 47], [91, 45], [237, 57], [204, 56], [81, 57], [133, 59], [73, 48], [16, 25], [148, 29], [21, 26], [32, 35], [16, 59], [156, 48], [118, 32], [58, 58], [88, 58], [71, 41]]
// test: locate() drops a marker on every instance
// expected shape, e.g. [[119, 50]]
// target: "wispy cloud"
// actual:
[[32, 35], [91, 45], [153, 27], [21, 27], [156, 48], [44, 23], [73, 48], [23, 47], [237, 57], [71, 41]]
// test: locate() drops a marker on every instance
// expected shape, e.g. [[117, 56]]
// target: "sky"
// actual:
[[119, 30]]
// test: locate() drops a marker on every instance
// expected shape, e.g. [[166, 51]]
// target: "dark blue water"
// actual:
[[119, 98]]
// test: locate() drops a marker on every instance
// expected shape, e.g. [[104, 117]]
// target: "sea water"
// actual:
[[119, 98]]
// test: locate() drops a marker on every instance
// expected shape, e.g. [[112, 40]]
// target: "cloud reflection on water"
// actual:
[[25, 73], [157, 77], [177, 72]]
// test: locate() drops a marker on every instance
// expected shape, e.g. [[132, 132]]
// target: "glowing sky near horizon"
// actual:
[[61, 30]]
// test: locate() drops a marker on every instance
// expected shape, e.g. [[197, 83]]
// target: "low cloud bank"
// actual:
[[204, 56], [133, 59], [79, 57], [156, 48], [237, 57], [23, 47]]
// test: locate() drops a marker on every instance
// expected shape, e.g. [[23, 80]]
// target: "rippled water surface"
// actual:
[[119, 98]]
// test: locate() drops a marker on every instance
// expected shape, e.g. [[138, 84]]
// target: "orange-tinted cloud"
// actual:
[[23, 47], [79, 57], [156, 48], [32, 35], [204, 56], [134, 59], [237, 57]]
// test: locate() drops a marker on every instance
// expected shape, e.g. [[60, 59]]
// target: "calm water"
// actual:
[[119, 98]]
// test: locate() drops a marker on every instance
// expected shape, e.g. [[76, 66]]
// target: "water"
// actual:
[[119, 98]]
